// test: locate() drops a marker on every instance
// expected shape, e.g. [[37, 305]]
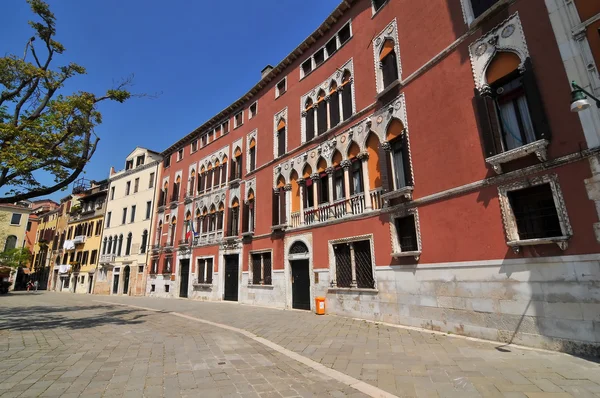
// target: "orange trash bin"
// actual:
[[320, 305]]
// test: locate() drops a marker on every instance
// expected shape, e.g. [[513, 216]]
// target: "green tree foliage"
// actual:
[[14, 258], [41, 130]]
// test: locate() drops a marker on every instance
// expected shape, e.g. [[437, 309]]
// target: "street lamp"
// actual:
[[579, 101]]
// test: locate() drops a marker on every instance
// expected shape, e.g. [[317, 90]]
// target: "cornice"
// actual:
[[134, 171]]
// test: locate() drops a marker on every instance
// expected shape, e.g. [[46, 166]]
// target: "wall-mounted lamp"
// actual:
[[579, 101]]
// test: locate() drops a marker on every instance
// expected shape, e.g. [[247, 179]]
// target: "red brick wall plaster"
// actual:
[[445, 142]]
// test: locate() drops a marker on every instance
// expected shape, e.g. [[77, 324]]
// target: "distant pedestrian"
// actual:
[[35, 285], [29, 285]]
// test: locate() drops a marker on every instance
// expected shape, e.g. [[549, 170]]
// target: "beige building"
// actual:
[[128, 223], [13, 229]]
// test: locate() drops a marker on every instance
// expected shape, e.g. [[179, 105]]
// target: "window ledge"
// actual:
[[351, 290], [280, 227], [538, 147], [251, 285], [561, 241], [389, 88], [203, 285], [415, 254], [406, 191]]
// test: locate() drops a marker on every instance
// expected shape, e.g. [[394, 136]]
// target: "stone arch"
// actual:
[[174, 220], [280, 182], [501, 64], [332, 86], [306, 171], [352, 150], [321, 165], [336, 158], [394, 129], [188, 215], [298, 249], [250, 194]]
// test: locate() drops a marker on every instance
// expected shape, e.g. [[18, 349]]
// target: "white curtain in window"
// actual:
[[399, 169], [526, 119], [356, 180], [339, 188], [510, 125]]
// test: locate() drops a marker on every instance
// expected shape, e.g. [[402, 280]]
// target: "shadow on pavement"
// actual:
[[70, 317]]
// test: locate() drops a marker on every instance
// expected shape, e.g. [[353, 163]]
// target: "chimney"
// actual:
[[112, 170], [266, 70]]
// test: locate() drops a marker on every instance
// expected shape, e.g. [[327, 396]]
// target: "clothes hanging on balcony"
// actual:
[[64, 268], [69, 245]]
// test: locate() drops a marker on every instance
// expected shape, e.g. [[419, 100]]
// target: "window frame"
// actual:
[[510, 222], [194, 146], [333, 268], [278, 92], [197, 273], [376, 11], [396, 248], [262, 265], [13, 216], [250, 113], [235, 122], [469, 14], [389, 32]]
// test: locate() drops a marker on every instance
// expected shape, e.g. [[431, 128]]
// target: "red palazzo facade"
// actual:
[[412, 162]]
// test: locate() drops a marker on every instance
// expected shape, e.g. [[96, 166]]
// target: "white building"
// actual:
[[128, 221]]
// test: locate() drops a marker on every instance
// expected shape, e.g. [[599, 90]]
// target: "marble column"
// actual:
[[346, 164]]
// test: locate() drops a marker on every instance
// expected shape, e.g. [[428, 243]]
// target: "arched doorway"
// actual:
[[299, 266], [126, 272]]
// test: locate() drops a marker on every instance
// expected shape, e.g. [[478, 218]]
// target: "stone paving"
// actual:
[[62, 345], [65, 345]]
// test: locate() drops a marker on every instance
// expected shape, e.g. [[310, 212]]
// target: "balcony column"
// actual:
[[364, 158], [221, 175], [327, 106], [346, 164], [341, 105], [302, 184], [288, 203], [315, 177], [330, 171]]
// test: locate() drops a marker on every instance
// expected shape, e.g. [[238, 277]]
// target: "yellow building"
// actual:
[[46, 241], [81, 247], [13, 227], [61, 280]]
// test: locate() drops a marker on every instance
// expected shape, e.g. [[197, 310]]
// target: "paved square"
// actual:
[[54, 344]]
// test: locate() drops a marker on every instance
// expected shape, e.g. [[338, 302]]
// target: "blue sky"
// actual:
[[201, 55]]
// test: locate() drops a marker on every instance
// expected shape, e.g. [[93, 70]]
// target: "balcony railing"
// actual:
[[376, 200], [107, 258], [79, 239], [208, 237], [330, 211]]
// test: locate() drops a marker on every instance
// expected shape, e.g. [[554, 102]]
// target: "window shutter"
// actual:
[[275, 205], [281, 142], [487, 128], [267, 268], [282, 210], [384, 165], [245, 218], [535, 103], [347, 100], [310, 124], [209, 270], [229, 222], [406, 159], [201, 271]]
